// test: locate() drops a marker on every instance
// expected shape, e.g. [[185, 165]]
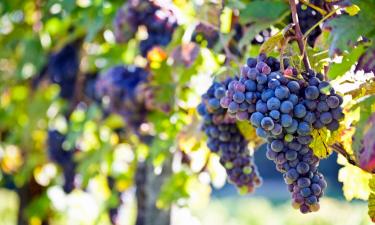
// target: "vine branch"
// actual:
[[298, 34], [340, 150]]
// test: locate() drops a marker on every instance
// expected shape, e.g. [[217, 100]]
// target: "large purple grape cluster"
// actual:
[[225, 139], [284, 110], [159, 22], [62, 157]]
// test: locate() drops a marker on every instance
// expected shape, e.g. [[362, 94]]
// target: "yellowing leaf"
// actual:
[[355, 180], [248, 131], [371, 207], [274, 41], [371, 199], [114, 121], [352, 10], [271, 43], [226, 20], [319, 144], [371, 184]]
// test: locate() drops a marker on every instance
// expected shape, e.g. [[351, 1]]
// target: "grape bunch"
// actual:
[[63, 68], [64, 158], [123, 87], [285, 110], [308, 17], [159, 22], [225, 139]]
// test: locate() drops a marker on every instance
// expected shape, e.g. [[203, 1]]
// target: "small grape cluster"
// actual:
[[285, 110], [308, 17], [123, 87], [63, 68], [225, 139], [159, 22], [62, 157], [206, 35]]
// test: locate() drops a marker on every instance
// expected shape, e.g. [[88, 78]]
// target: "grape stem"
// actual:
[[338, 148], [299, 35]]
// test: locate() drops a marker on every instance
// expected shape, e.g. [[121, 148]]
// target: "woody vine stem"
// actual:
[[299, 35]]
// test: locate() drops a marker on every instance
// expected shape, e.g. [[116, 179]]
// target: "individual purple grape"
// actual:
[[337, 114], [239, 97], [273, 103], [303, 128], [305, 192], [273, 83], [233, 107], [286, 107], [277, 130], [251, 62], [277, 145], [302, 168], [326, 118], [286, 120], [292, 128], [294, 87], [256, 119], [311, 93], [333, 102], [250, 85], [293, 98], [334, 125], [268, 94], [323, 106], [267, 123], [299, 111], [274, 114], [282, 92]]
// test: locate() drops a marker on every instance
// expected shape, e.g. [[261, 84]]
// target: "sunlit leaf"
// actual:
[[355, 180], [320, 143]]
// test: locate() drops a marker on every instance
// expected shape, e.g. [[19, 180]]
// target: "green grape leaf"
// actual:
[[270, 44], [38, 207], [364, 106], [349, 59], [319, 144], [268, 11], [173, 189], [248, 131], [352, 10], [114, 121], [347, 29], [371, 199]]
